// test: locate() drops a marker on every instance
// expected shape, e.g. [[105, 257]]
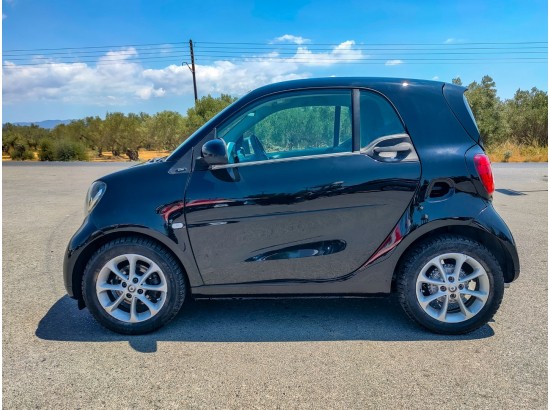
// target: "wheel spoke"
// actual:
[[113, 268], [103, 287], [133, 311], [463, 308], [443, 312], [150, 305], [115, 304], [459, 261], [475, 293], [155, 288], [475, 274], [426, 300], [132, 259], [439, 266], [152, 269], [431, 281]]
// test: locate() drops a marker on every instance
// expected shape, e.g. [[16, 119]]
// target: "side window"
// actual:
[[289, 125], [378, 118]]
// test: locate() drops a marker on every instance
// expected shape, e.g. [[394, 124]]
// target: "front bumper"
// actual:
[[72, 267]]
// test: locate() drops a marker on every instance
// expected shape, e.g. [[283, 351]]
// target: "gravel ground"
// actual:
[[347, 353]]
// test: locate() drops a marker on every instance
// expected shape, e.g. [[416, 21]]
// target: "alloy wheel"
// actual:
[[131, 288], [452, 287]]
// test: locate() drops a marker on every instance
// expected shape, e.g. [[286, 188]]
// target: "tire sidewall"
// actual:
[[91, 273], [481, 255]]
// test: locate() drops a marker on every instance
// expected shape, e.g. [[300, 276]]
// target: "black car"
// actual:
[[335, 186]]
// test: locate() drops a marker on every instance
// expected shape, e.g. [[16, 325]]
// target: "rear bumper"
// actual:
[[490, 221]]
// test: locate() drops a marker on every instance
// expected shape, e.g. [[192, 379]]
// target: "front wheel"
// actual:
[[450, 285], [133, 286]]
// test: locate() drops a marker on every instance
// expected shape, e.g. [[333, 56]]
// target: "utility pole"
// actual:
[[193, 68]]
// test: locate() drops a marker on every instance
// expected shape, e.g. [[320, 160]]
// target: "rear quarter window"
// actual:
[[454, 95], [378, 118]]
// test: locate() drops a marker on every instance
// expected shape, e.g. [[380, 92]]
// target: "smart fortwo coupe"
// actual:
[[336, 186]]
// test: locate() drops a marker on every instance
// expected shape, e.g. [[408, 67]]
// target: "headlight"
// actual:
[[96, 191]]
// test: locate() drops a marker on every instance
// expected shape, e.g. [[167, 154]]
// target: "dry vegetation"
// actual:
[[511, 152], [507, 152]]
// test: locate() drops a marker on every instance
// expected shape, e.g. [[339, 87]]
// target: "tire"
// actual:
[[466, 301], [138, 303]]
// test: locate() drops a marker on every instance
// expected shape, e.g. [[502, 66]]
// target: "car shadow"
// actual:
[[268, 320]]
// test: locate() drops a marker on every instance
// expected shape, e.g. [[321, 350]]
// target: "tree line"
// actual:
[[118, 133], [522, 119]]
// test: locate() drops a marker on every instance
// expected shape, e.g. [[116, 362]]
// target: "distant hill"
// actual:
[[49, 124]]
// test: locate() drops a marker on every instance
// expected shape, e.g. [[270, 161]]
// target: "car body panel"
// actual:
[[271, 221]]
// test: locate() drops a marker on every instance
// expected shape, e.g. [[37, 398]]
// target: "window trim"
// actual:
[[356, 120], [277, 160]]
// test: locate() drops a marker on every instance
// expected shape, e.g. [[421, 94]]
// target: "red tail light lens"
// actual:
[[483, 166]]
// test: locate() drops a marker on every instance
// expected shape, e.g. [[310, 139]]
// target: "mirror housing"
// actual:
[[214, 152]]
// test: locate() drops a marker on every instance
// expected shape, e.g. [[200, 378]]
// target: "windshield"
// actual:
[[189, 141]]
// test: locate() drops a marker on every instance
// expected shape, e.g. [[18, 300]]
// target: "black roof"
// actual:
[[367, 82]]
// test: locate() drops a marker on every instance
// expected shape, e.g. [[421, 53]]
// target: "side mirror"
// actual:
[[214, 152]]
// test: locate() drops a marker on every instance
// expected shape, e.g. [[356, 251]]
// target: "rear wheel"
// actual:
[[133, 286], [451, 285]]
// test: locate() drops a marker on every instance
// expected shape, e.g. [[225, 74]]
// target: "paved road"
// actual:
[[262, 354]]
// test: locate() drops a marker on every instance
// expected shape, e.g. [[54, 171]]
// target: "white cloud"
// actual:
[[147, 92], [393, 62], [453, 40], [435, 78], [119, 78], [289, 38]]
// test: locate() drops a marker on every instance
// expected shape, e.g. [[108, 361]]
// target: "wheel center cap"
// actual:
[[131, 288], [452, 288]]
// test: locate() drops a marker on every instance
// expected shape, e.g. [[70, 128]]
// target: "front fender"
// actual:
[[89, 238]]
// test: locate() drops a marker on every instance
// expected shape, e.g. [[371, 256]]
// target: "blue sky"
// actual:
[[290, 39]]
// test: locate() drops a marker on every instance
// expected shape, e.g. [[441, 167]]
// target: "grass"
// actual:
[[511, 152], [143, 156]]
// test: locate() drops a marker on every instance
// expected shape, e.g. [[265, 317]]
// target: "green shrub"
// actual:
[[64, 150], [46, 150], [21, 152], [507, 155]]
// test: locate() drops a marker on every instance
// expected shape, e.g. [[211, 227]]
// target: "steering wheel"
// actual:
[[259, 151]]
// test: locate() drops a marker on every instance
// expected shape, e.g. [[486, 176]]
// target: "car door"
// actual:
[[306, 195]]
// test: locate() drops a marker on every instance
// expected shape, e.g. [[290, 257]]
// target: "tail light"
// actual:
[[483, 167]]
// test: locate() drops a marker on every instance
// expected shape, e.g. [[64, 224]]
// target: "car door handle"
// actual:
[[401, 147]]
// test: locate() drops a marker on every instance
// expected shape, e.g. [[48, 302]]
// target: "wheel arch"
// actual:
[[86, 253], [477, 234]]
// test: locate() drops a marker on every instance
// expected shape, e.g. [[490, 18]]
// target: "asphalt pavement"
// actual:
[[320, 353]]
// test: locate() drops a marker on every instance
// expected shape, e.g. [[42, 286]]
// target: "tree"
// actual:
[[486, 107], [123, 134], [96, 137], [526, 117], [457, 81], [205, 108], [165, 130]]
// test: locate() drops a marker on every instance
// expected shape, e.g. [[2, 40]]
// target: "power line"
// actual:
[[378, 44], [327, 62], [90, 47], [416, 53], [178, 54], [270, 44], [171, 49]]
